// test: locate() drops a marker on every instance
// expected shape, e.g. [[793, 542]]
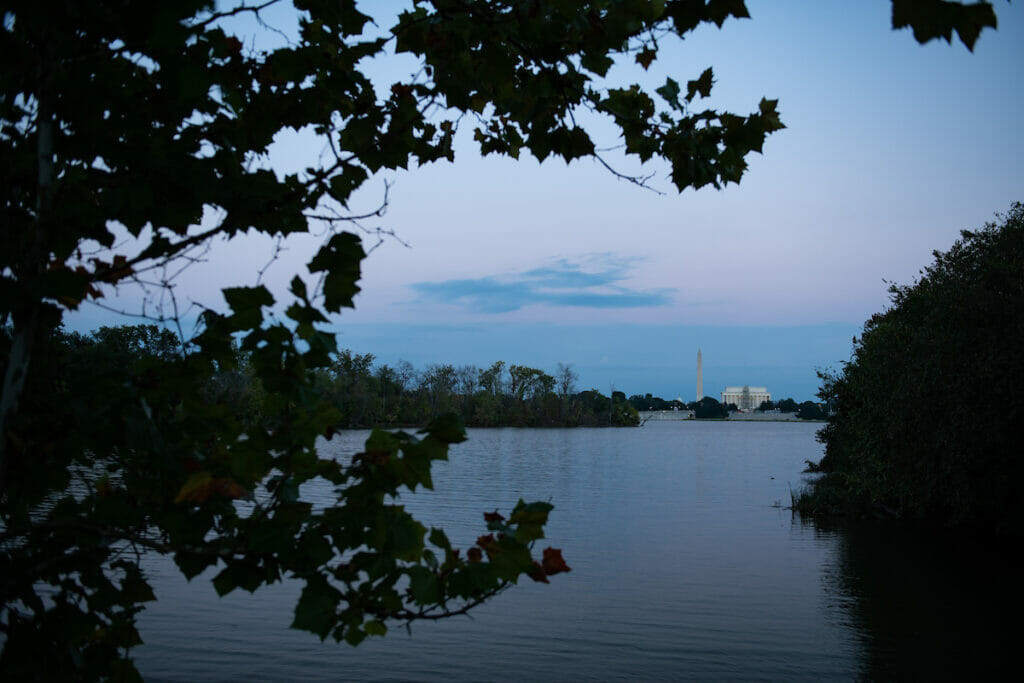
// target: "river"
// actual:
[[686, 565]]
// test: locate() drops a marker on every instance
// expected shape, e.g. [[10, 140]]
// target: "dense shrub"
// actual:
[[927, 411]]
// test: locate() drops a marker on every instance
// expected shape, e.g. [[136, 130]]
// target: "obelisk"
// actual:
[[700, 377]]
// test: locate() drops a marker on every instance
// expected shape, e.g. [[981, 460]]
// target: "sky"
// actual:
[[891, 149]]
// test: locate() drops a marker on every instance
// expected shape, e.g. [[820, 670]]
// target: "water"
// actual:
[[684, 567]]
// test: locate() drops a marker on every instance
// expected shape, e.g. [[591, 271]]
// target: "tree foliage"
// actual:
[[154, 121], [651, 402], [787, 405], [502, 395], [927, 409], [809, 410], [709, 408]]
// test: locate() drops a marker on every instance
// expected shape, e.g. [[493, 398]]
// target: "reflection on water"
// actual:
[[930, 606], [682, 569]]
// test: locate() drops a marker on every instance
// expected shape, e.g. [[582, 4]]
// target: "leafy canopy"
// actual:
[[155, 120]]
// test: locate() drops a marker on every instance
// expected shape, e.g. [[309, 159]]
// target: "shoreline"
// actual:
[[687, 416]]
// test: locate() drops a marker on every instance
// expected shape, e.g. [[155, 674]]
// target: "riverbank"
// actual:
[[685, 415]]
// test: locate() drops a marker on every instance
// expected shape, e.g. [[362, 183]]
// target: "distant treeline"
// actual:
[[499, 395], [708, 407], [366, 393]]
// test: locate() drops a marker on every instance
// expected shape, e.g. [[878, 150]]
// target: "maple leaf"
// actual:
[[489, 544], [537, 573], [196, 488], [553, 562], [103, 487], [229, 488], [201, 485], [373, 457], [645, 58], [493, 517]]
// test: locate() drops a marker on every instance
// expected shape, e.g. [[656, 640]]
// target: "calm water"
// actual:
[[684, 567]]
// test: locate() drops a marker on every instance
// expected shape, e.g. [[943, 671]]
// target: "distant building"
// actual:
[[746, 397]]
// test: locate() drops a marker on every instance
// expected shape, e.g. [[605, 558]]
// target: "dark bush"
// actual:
[[927, 410]]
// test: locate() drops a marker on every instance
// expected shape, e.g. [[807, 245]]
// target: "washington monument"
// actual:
[[700, 377]]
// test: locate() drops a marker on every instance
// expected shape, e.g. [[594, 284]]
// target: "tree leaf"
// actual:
[[645, 57], [440, 539], [375, 627], [531, 513], [670, 93], [931, 19], [340, 259], [242, 299], [316, 610], [424, 586], [701, 85]]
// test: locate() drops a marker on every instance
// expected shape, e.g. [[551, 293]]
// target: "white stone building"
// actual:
[[746, 397]]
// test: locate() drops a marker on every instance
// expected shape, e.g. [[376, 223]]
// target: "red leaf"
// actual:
[[553, 562], [103, 487], [373, 457], [201, 485], [229, 488]]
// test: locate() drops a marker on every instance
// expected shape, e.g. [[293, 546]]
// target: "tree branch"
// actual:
[[216, 16]]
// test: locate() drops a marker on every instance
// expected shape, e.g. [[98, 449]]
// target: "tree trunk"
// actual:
[[26, 317]]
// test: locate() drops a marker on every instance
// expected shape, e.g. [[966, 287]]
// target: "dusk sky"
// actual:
[[891, 148]]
